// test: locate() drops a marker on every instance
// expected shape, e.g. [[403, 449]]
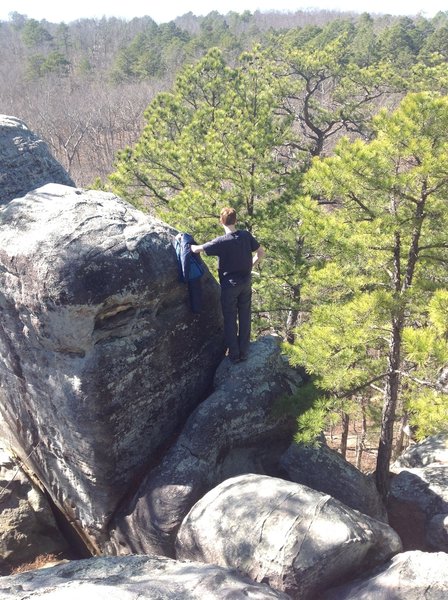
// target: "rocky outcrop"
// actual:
[[327, 471], [408, 576], [418, 499], [437, 532], [101, 358], [25, 161], [233, 431], [134, 578], [426, 488], [295, 539], [431, 451], [27, 524]]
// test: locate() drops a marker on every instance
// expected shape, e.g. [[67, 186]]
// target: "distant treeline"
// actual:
[[83, 86]]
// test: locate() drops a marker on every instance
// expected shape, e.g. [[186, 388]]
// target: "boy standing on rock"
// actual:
[[235, 251]]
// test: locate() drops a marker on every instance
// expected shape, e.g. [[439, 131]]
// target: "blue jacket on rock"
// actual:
[[190, 269]]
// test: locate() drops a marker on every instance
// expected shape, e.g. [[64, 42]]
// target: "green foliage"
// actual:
[[339, 346], [151, 52], [429, 413], [438, 312], [379, 277], [333, 32], [436, 43], [426, 353], [358, 261], [85, 67], [312, 410], [311, 423], [401, 43], [244, 136], [34, 34], [206, 144], [55, 62], [325, 91], [63, 38], [34, 66], [40, 65]]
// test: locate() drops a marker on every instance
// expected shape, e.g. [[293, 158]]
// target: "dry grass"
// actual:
[[40, 562]]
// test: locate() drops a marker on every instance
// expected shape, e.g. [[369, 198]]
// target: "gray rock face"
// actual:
[[437, 533], [25, 161], [427, 488], [408, 576], [432, 450], [418, 501], [101, 358], [232, 432], [134, 578], [295, 539], [27, 525], [416, 496], [327, 471]]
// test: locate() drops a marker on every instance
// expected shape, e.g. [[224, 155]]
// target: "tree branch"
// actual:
[[430, 384], [362, 386]]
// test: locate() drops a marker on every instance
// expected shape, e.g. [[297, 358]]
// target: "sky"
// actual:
[[163, 11]]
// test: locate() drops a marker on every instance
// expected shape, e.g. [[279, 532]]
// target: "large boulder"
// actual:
[[407, 576], [233, 431], [296, 539], [325, 470], [134, 578], [27, 524], [25, 161], [101, 358]]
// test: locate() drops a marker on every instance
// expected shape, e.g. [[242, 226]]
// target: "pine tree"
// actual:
[[216, 140], [376, 225]]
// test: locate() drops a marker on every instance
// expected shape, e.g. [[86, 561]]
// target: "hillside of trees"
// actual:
[[329, 135], [83, 86]]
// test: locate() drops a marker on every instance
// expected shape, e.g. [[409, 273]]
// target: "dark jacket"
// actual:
[[190, 269]]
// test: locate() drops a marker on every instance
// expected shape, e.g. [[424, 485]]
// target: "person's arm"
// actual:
[[259, 254], [196, 248]]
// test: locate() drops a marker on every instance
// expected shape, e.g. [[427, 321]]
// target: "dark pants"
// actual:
[[236, 309]]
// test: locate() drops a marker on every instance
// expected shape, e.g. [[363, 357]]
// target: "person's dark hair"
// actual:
[[228, 216]]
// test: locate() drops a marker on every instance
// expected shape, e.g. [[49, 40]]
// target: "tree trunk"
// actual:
[[389, 409], [361, 441], [400, 444], [393, 378], [344, 435], [292, 321]]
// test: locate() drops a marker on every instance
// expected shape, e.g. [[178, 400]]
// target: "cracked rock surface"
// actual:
[[101, 358], [325, 470], [25, 161], [233, 431], [296, 539], [407, 576], [134, 578]]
